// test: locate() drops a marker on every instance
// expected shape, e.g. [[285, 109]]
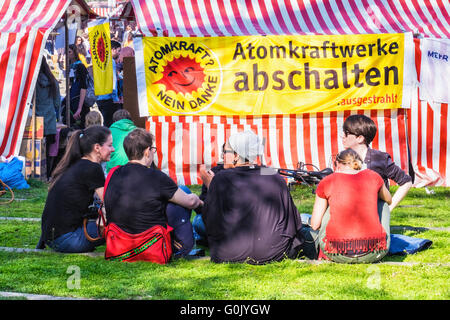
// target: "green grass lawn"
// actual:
[[424, 275]]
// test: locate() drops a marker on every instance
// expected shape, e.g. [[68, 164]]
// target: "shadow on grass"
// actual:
[[438, 193], [403, 229]]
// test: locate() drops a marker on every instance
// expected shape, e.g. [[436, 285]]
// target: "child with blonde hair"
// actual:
[[350, 218], [349, 158], [93, 118]]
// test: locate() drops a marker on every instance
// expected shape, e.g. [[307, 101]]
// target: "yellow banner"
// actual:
[[100, 43], [254, 75]]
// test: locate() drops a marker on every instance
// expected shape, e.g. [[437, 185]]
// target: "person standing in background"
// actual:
[[87, 45], [78, 88], [82, 53], [110, 103], [48, 103]]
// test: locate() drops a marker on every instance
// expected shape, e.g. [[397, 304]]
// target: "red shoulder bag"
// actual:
[[153, 245]]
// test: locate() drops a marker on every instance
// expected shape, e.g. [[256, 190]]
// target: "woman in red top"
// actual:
[[355, 228]]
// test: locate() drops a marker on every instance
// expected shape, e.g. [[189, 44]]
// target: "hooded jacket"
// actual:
[[46, 104], [119, 131]]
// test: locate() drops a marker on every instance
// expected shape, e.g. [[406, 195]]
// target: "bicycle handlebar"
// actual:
[[305, 176]]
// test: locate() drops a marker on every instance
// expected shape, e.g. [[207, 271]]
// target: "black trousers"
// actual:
[[107, 108]]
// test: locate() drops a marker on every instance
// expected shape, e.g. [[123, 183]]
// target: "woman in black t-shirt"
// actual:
[[74, 181]]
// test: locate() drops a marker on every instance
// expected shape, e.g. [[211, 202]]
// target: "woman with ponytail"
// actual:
[[77, 177], [351, 213]]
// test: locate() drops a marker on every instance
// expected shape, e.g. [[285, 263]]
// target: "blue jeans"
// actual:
[[76, 242], [199, 227], [179, 218]]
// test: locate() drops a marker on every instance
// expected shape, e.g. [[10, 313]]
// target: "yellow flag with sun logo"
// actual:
[[100, 43], [256, 75]]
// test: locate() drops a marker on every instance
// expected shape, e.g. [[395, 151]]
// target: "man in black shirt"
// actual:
[[248, 212], [139, 197]]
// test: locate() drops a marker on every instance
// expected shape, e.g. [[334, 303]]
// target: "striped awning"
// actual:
[[24, 29], [187, 142], [127, 12], [101, 11], [108, 12], [184, 143], [431, 18], [108, 9]]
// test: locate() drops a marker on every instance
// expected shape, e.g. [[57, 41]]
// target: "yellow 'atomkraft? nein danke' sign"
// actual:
[[271, 74], [100, 45]]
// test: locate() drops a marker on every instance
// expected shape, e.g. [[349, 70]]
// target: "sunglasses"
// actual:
[[347, 133]]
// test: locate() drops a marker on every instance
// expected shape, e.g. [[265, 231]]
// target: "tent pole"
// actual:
[[33, 135], [66, 52]]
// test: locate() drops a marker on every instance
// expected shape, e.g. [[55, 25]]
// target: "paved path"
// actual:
[[20, 219], [29, 296], [314, 262], [27, 250]]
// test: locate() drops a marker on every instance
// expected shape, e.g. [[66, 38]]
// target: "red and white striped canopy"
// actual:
[[431, 18], [24, 28], [187, 142], [107, 8], [101, 11]]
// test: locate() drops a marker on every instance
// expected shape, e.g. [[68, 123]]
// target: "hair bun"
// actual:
[[356, 165], [351, 158]]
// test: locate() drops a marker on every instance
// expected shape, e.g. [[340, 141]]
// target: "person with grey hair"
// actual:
[[249, 214]]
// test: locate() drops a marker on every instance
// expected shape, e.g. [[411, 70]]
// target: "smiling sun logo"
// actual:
[[182, 75], [186, 77]]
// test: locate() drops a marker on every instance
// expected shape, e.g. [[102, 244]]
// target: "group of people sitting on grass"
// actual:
[[244, 214]]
